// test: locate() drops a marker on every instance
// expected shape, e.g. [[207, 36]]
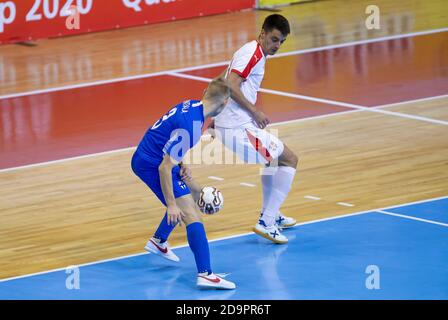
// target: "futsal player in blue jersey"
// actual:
[[156, 162]]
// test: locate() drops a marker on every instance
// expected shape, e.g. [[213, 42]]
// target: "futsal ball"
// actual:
[[210, 200]]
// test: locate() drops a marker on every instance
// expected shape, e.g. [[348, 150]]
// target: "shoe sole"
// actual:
[[267, 237], [286, 226], [156, 252], [206, 286]]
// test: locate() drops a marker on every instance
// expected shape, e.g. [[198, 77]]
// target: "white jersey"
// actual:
[[248, 62]]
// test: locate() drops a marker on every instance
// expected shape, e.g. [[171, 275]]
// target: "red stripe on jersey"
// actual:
[[237, 72], [259, 146], [256, 57]]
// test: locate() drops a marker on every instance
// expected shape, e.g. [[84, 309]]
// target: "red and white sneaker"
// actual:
[[284, 222], [161, 249], [214, 281]]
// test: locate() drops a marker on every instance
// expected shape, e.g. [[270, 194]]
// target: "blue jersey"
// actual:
[[174, 134]]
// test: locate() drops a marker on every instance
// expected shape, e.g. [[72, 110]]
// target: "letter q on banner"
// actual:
[[7, 14], [136, 4], [133, 4]]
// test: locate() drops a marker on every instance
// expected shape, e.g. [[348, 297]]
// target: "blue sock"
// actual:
[[164, 230], [199, 245]]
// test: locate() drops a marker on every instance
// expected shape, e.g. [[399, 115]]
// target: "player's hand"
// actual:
[[261, 119], [174, 215], [185, 174]]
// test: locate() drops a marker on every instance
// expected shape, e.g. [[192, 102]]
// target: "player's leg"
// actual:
[[158, 243], [280, 160], [277, 182], [197, 240], [254, 145], [180, 188], [149, 174], [163, 230]]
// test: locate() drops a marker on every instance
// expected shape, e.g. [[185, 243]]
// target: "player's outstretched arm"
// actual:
[[187, 177], [174, 214]]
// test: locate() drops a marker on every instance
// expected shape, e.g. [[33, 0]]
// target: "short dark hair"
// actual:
[[276, 21]]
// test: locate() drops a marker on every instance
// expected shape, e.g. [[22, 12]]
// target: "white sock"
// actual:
[[266, 181], [277, 187]]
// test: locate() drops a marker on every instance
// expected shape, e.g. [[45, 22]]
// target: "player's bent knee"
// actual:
[[294, 160], [191, 218], [288, 159], [189, 208]]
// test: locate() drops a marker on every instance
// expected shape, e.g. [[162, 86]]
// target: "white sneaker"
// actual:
[[162, 249], [271, 233], [214, 281], [285, 222]]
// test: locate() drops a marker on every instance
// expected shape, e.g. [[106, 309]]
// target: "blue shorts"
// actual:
[[149, 174]]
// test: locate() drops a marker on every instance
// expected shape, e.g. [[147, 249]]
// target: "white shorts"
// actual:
[[250, 143]]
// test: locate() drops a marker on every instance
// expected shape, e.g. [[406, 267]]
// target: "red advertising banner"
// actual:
[[24, 20]]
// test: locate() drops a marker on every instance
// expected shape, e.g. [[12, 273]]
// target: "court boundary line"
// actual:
[[322, 116], [226, 238], [328, 101], [412, 218], [221, 63], [396, 104], [365, 41], [85, 156], [39, 164]]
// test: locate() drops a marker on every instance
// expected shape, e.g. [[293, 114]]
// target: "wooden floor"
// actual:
[[94, 208], [84, 210], [180, 44]]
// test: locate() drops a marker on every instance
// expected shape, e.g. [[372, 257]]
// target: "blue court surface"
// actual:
[[368, 255]]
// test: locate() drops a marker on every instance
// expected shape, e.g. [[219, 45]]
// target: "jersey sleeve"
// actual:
[[245, 60]]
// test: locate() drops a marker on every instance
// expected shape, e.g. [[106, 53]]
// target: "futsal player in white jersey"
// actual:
[[240, 127]]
